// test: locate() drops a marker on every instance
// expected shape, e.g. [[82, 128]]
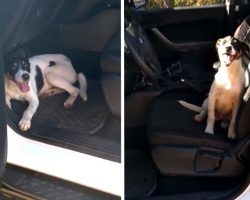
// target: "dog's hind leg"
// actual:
[[202, 110], [50, 92], [224, 124], [57, 81], [231, 128], [83, 86], [203, 113], [199, 117]]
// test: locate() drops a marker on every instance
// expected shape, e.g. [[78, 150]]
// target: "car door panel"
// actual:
[[3, 134], [10, 15], [192, 30], [187, 24]]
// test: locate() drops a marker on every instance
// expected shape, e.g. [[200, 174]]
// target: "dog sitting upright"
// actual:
[[224, 95], [41, 76]]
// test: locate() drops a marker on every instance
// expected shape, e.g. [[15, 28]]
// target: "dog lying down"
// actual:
[[41, 76], [225, 93]]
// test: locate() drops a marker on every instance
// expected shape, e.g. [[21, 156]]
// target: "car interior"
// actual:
[[170, 55], [88, 33]]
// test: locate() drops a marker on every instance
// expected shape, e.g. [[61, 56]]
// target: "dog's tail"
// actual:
[[83, 86], [190, 106]]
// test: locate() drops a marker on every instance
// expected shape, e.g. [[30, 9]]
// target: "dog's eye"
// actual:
[[26, 66], [234, 41], [14, 67]]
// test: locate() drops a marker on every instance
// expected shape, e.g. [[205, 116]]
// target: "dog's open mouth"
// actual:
[[23, 86], [227, 58]]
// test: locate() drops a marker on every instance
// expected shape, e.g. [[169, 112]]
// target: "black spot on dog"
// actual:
[[51, 63], [14, 64], [39, 78]]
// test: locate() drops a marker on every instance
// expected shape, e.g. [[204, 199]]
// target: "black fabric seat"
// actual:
[[179, 145], [175, 125]]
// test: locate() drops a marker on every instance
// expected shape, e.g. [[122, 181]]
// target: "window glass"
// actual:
[[179, 3]]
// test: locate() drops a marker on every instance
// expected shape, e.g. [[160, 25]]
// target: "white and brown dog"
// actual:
[[41, 76], [224, 95]]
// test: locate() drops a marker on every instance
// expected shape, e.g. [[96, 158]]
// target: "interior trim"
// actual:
[[180, 47]]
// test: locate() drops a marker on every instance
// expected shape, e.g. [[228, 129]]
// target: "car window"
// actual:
[[179, 3]]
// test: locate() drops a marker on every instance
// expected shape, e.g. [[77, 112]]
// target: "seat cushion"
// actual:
[[172, 124]]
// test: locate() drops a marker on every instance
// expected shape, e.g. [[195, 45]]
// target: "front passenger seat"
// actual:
[[179, 146]]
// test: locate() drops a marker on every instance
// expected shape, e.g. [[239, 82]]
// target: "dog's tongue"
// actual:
[[227, 58], [24, 87]]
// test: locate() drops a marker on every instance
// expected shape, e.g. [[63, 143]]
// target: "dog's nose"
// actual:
[[25, 77], [228, 48]]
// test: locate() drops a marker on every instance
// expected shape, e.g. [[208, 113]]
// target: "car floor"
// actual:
[[88, 127]]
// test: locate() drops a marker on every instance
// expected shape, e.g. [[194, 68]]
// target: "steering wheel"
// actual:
[[139, 45]]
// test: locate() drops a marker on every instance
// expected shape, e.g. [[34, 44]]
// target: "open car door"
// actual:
[[7, 15]]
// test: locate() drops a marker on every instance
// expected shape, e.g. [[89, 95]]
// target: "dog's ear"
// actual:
[[8, 63], [218, 43], [244, 47], [222, 41], [240, 45]]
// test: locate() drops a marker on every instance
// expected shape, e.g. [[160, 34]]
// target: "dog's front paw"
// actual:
[[7, 100], [24, 124], [9, 105], [209, 130], [231, 131], [231, 134]]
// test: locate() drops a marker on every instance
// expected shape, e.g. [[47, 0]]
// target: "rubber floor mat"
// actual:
[[84, 117], [140, 174], [88, 127]]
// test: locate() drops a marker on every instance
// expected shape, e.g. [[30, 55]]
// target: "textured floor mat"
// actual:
[[85, 117], [140, 174], [88, 126]]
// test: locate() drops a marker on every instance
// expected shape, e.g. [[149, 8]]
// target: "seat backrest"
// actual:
[[111, 73], [243, 115]]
